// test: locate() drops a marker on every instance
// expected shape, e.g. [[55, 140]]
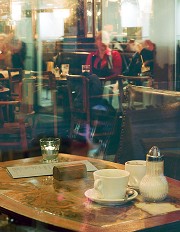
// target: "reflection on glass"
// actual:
[[51, 25], [89, 17], [98, 16]]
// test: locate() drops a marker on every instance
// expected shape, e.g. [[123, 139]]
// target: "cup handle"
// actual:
[[98, 188]]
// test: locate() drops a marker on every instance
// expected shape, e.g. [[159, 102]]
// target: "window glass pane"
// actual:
[[59, 31], [90, 16]]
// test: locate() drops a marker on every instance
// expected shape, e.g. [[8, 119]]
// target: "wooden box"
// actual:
[[69, 171]]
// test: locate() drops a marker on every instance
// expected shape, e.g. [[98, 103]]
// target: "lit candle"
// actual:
[[50, 150]]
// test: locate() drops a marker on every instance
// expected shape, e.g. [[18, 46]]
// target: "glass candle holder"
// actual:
[[50, 149], [85, 68]]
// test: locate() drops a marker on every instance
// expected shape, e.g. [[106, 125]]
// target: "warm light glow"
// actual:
[[16, 11], [130, 15], [98, 13], [62, 13], [89, 13], [52, 23], [145, 6]]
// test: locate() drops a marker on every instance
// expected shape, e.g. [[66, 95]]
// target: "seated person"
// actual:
[[104, 62], [148, 53], [142, 61], [18, 51], [5, 55]]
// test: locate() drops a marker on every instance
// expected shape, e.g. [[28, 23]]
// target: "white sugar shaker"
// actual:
[[154, 187]]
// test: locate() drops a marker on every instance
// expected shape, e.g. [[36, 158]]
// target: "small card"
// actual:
[[43, 169]]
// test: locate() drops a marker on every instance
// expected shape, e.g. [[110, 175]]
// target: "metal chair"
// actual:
[[15, 131], [95, 124], [152, 125], [49, 116], [44, 80]]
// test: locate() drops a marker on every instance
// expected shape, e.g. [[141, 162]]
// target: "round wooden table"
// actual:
[[63, 205]]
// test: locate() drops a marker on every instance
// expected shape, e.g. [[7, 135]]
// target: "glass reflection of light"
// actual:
[[129, 14], [52, 23], [16, 11], [98, 13], [145, 6], [63, 13], [89, 13]]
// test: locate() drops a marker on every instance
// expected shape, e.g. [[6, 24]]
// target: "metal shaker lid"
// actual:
[[154, 154]]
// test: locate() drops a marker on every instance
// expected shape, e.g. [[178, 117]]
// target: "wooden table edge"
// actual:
[[31, 213]]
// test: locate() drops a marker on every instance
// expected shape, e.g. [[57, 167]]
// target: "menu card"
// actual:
[[43, 169]]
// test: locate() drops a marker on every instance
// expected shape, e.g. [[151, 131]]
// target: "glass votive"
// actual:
[[50, 149], [85, 68]]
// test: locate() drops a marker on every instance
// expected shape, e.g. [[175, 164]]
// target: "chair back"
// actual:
[[13, 129], [7, 111], [152, 125], [1, 116], [29, 94], [78, 93], [100, 119], [15, 82], [44, 79], [78, 90]]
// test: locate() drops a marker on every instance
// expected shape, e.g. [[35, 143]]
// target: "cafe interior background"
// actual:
[[49, 21], [51, 26]]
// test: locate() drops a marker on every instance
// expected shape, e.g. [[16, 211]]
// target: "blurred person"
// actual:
[[104, 62], [18, 51], [142, 62], [149, 45], [5, 54], [148, 53]]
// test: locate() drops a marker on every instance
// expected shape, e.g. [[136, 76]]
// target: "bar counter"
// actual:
[[63, 206]]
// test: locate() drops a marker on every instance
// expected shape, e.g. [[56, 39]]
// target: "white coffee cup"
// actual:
[[137, 170], [111, 183]]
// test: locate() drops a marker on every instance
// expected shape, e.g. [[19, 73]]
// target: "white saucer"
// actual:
[[92, 195]]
